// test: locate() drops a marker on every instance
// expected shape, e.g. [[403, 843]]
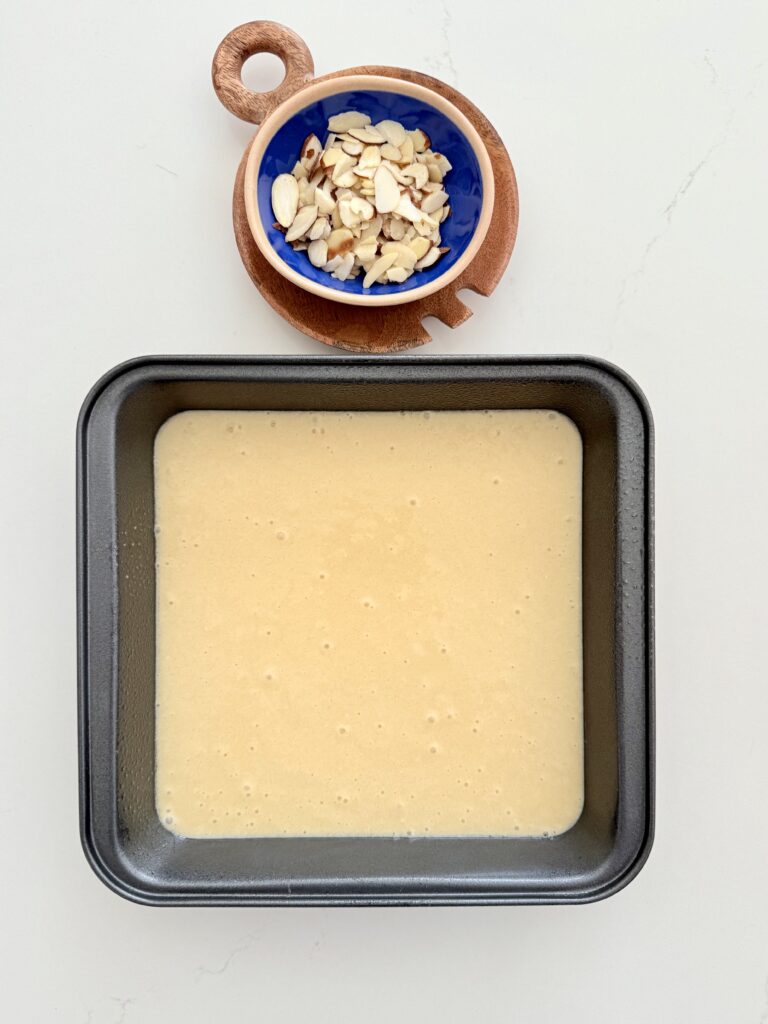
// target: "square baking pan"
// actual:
[[122, 836]]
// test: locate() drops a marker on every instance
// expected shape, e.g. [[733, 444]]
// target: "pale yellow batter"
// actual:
[[369, 623]]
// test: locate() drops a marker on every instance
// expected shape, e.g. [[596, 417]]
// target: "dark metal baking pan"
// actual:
[[121, 833]]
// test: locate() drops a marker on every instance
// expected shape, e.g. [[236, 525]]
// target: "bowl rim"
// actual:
[[380, 83]]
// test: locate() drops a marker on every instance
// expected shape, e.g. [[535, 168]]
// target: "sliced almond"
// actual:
[[342, 272], [362, 208], [370, 157], [331, 265], [418, 173], [372, 228], [433, 255], [407, 150], [306, 193], [396, 172], [340, 242], [310, 152], [349, 218], [366, 173], [318, 252], [446, 213], [367, 135], [398, 274], [396, 229], [349, 119], [387, 194], [285, 199], [318, 229], [370, 203], [392, 131], [409, 211], [420, 247], [443, 163], [325, 202], [346, 179], [354, 148], [343, 164], [327, 186], [302, 222], [433, 202], [331, 156], [406, 257], [382, 264], [420, 139], [366, 249]]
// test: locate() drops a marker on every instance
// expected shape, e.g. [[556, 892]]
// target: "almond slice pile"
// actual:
[[371, 201]]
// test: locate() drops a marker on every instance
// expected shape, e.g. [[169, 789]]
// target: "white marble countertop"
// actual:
[[638, 135]]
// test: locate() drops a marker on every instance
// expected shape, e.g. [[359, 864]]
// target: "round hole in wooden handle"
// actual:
[[245, 41]]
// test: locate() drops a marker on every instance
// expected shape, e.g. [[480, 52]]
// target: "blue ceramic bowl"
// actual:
[[277, 146]]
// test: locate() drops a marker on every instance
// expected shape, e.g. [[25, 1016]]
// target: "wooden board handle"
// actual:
[[243, 42]]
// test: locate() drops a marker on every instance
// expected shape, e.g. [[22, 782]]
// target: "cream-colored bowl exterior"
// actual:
[[319, 91]]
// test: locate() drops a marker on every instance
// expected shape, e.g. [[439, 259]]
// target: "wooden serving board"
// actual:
[[357, 328]]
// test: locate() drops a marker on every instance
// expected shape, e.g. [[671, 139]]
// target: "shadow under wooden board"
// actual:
[[391, 328]]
